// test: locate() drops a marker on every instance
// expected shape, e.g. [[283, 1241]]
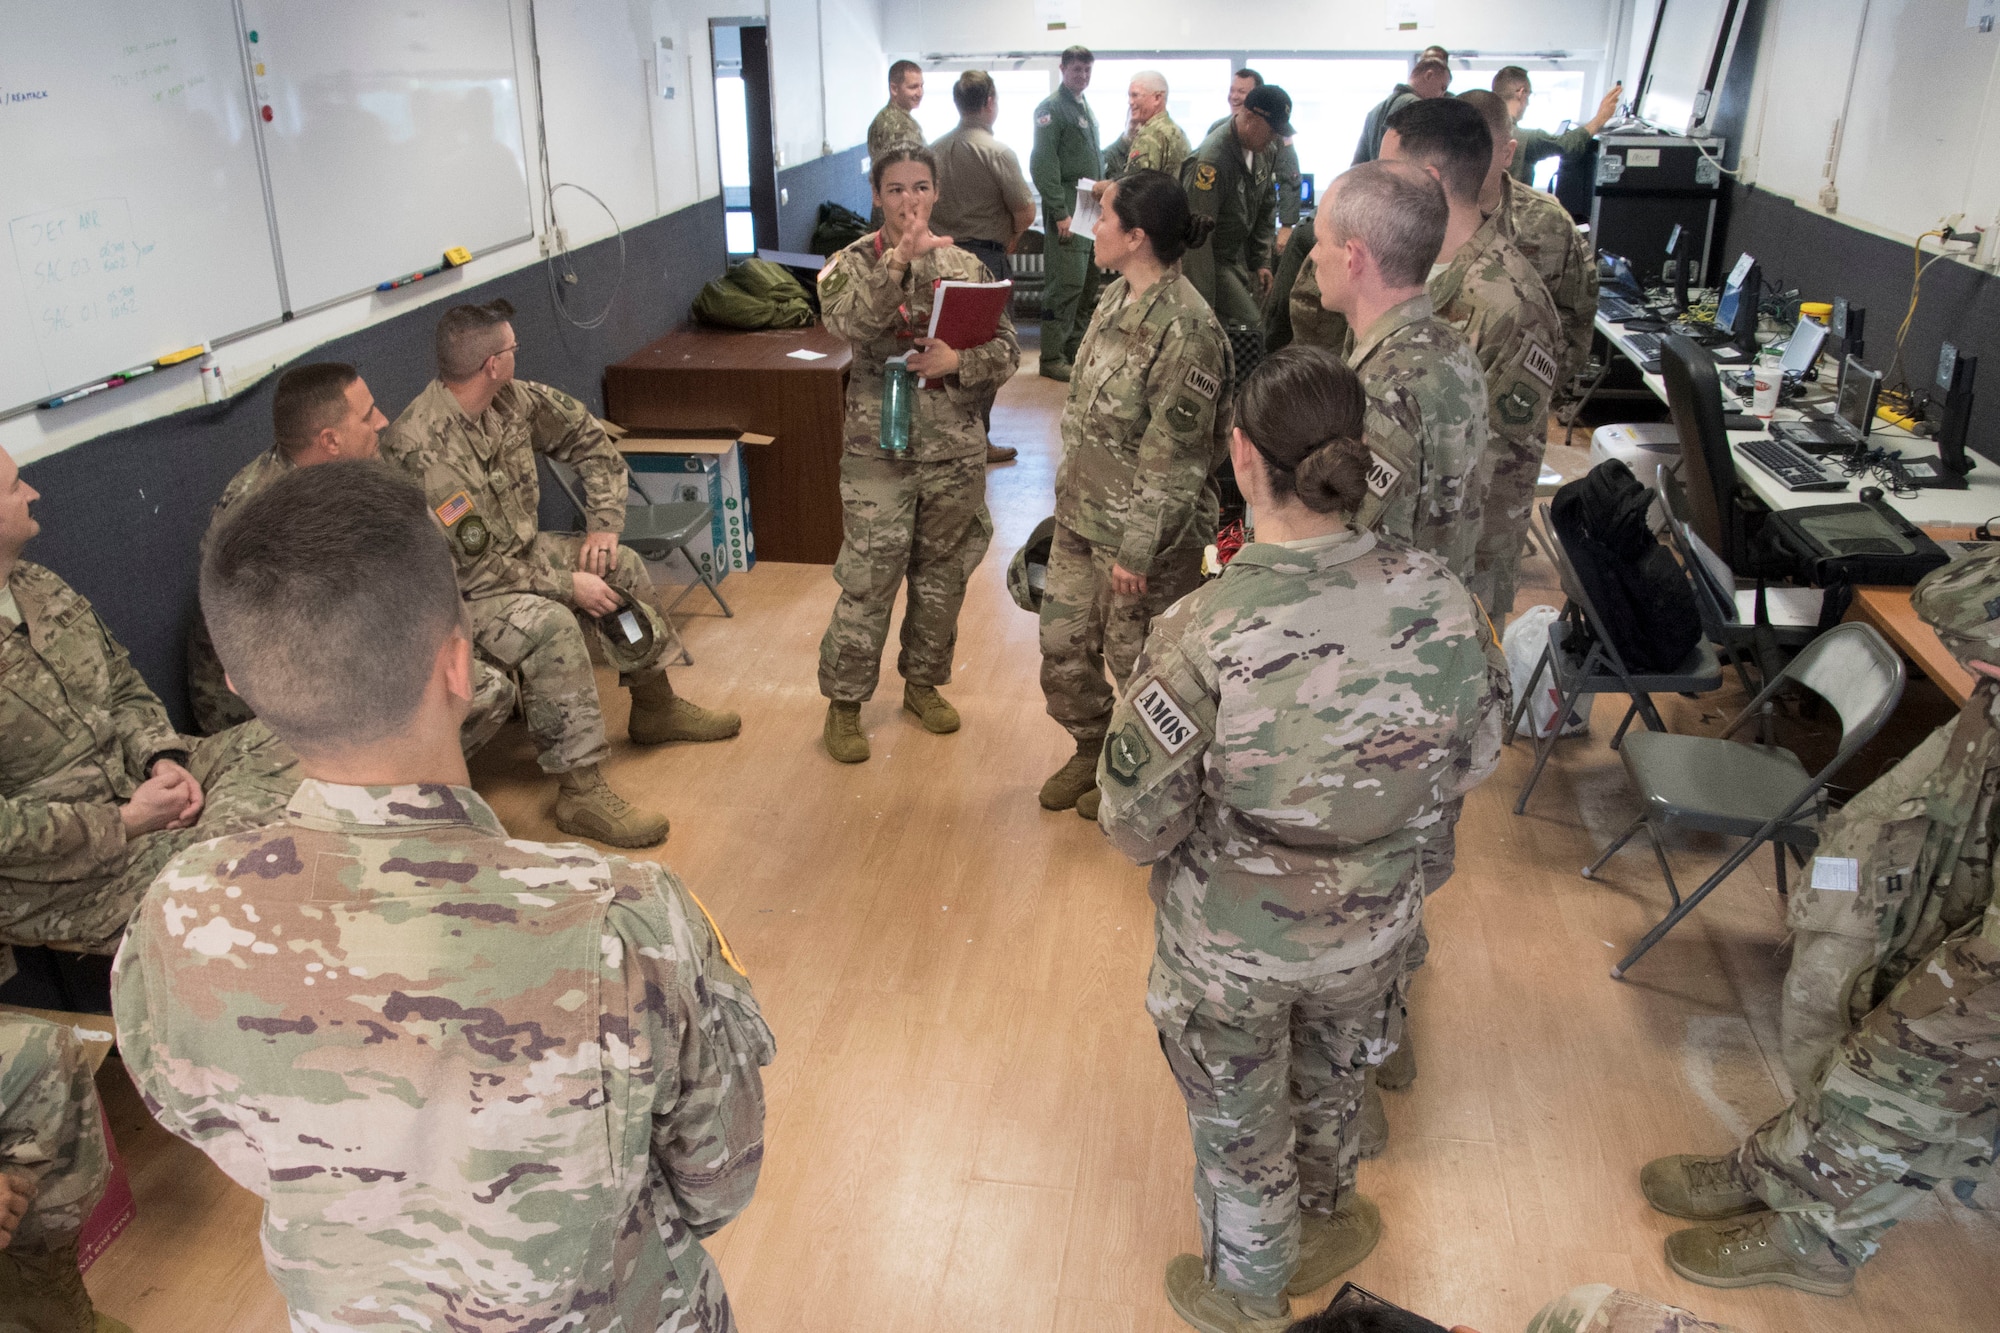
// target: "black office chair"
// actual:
[[1715, 497]]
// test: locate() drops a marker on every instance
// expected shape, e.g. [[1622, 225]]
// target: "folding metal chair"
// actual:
[[655, 531], [1756, 792], [1582, 660]]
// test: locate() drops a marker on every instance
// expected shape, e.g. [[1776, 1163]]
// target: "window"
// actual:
[[1331, 100]]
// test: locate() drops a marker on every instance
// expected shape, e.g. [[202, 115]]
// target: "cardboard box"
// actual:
[[671, 470]]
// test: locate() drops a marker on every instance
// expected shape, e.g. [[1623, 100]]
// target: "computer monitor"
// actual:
[[1859, 388], [1736, 312], [1803, 348]]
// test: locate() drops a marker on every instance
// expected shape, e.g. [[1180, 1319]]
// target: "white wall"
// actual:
[[1512, 26], [609, 131], [1919, 139]]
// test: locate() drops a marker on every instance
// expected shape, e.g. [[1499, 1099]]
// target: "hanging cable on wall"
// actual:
[[559, 265]]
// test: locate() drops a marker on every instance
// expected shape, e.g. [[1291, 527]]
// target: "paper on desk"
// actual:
[[1083, 218], [807, 354]]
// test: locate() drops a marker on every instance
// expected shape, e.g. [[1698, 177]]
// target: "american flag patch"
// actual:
[[454, 509]]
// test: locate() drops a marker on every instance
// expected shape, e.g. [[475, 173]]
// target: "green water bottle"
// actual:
[[898, 389]]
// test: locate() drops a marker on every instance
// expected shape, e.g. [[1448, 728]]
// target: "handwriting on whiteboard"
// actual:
[[81, 266]]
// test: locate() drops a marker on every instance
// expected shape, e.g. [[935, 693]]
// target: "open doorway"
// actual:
[[745, 144]]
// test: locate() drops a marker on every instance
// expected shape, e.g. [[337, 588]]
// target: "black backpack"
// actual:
[[1641, 594]]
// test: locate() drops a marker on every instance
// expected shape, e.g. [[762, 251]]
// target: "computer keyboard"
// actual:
[[1795, 469], [1618, 310]]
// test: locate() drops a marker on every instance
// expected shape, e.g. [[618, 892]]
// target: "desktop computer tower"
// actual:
[[1646, 185]]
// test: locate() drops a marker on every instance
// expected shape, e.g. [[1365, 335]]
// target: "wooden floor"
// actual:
[[971, 1126]]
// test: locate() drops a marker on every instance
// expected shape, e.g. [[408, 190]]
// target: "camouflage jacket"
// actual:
[[1158, 145], [1426, 427], [479, 477], [1901, 867], [893, 127], [216, 706], [81, 729], [478, 1082], [1545, 234], [1289, 740], [1491, 296], [863, 301], [1146, 424], [1243, 200], [1065, 152]]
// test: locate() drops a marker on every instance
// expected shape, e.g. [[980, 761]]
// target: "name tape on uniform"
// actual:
[[1163, 717], [1841, 874], [1381, 476], [1542, 365], [1203, 383]]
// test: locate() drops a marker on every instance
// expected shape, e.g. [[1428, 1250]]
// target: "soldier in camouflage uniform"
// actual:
[[1426, 395], [919, 515], [1545, 234], [1909, 1100], [321, 411], [477, 1081], [97, 789], [1489, 293], [1152, 141], [53, 1168], [1144, 430], [470, 438], [1285, 747], [1233, 271], [1066, 151]]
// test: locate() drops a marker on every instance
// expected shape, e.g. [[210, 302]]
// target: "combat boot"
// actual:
[[1074, 778], [843, 737], [587, 807], [1769, 1250], [1329, 1246], [1399, 1071], [1373, 1123], [938, 717], [1704, 1189], [1213, 1309], [1086, 804], [659, 715]]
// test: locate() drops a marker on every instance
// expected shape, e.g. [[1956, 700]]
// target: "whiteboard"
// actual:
[[132, 220], [393, 134]]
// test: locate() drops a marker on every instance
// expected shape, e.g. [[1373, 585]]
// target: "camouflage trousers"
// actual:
[[1070, 285], [924, 523], [218, 708], [546, 644], [1909, 1099], [247, 777], [1272, 1074], [1087, 627], [1510, 496], [1597, 1308]]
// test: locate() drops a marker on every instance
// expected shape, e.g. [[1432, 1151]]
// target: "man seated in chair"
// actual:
[[470, 439], [320, 412], [97, 789]]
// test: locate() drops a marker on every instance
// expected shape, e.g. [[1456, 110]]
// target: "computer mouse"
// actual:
[[1870, 494]]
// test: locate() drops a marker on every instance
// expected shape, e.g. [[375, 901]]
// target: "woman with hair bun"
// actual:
[[1144, 430], [1290, 737]]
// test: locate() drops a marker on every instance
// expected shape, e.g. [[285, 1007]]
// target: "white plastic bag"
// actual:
[[1526, 637]]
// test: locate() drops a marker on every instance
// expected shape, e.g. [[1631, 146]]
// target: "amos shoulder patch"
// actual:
[[1202, 382], [1382, 475], [1164, 717]]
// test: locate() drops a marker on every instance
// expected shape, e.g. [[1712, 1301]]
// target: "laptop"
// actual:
[[1849, 428]]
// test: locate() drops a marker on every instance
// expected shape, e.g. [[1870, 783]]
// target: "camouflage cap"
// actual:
[[1028, 572], [628, 634], [1961, 601]]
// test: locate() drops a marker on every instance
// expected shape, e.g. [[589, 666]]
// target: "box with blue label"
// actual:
[[706, 470]]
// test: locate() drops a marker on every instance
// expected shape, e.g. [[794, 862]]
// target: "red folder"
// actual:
[[967, 314]]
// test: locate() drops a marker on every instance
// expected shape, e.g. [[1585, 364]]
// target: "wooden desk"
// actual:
[[697, 380]]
